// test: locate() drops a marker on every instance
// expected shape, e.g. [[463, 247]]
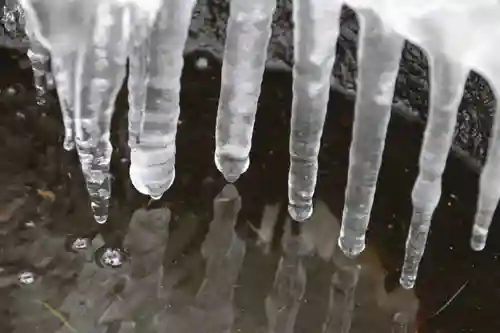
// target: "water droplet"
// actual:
[[26, 278], [80, 244]]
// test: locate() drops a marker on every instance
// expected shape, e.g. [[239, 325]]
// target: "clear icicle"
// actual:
[[248, 33], [39, 58], [38, 55], [154, 112], [100, 73], [447, 84], [317, 25], [137, 87], [379, 53], [63, 69], [342, 296], [489, 189], [283, 303]]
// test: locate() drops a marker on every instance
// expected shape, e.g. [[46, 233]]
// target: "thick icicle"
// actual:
[[342, 295], [248, 33], [283, 303], [154, 112], [489, 189], [447, 84], [317, 25], [379, 53]]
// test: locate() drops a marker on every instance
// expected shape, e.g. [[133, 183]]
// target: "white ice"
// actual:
[[154, 87], [247, 38], [317, 25]]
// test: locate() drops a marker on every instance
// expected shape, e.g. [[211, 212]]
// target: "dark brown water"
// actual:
[[214, 258]]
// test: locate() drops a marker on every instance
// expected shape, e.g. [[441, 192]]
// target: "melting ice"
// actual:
[[90, 41]]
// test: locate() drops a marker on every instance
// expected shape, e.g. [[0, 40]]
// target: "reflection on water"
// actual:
[[162, 281]]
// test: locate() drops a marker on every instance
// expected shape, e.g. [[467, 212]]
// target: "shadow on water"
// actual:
[[212, 257]]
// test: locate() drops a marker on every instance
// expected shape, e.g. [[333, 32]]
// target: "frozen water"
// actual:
[[154, 87], [447, 82], [247, 37], [315, 37], [379, 53], [96, 35]]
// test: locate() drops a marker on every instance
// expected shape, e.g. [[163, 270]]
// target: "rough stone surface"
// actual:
[[475, 115]]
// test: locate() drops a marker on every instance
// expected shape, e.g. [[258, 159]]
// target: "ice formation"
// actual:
[[90, 41]]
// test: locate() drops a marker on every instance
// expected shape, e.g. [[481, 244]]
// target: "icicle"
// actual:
[[447, 84], [99, 76], [315, 38], [342, 295], [224, 252], [39, 58], [489, 189], [63, 68], [154, 112], [379, 53], [283, 303], [248, 33]]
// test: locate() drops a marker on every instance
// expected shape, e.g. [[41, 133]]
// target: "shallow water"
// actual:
[[196, 261]]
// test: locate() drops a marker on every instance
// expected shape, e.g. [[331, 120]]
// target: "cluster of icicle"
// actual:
[[90, 41]]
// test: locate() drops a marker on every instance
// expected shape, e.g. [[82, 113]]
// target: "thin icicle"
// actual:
[[489, 189], [342, 296], [154, 112], [137, 87], [63, 68], [447, 84], [248, 33], [39, 58], [289, 286], [379, 53], [315, 38]]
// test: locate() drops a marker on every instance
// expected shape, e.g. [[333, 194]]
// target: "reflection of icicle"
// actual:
[[489, 189], [342, 295], [154, 111], [400, 323], [315, 37], [146, 241], [447, 84], [379, 53], [224, 253], [283, 303], [248, 32]]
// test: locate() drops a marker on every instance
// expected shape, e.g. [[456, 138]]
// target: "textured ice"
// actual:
[[90, 41]]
